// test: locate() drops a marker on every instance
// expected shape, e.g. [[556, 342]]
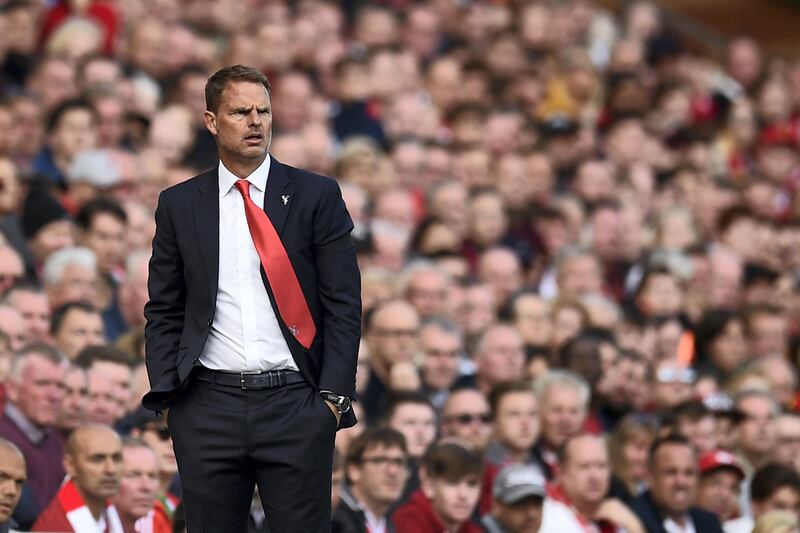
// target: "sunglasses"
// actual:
[[676, 375], [466, 418]]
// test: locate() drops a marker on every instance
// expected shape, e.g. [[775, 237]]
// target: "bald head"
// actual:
[[12, 477], [83, 437]]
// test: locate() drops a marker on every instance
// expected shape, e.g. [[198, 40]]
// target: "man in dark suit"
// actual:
[[253, 323], [668, 505]]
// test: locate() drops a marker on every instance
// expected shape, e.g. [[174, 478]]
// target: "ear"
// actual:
[[211, 122], [69, 465], [353, 473], [12, 390]]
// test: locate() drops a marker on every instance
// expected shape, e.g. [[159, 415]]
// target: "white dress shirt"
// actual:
[[245, 335], [670, 526]]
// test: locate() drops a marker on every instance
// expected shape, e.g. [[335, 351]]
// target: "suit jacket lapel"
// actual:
[[278, 195], [206, 220]]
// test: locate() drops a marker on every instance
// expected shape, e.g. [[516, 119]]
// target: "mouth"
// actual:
[[254, 138]]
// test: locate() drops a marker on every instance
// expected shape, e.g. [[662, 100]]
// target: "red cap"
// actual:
[[713, 460]]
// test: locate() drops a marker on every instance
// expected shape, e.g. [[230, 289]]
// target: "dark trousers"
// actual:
[[229, 440]]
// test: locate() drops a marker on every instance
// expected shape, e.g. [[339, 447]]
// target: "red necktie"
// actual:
[[282, 279]]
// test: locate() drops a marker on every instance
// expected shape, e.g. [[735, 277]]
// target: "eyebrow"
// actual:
[[247, 109]]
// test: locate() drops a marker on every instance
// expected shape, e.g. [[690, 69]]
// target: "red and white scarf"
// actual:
[[79, 515]]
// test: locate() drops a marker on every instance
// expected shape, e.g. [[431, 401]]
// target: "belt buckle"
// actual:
[[247, 373]]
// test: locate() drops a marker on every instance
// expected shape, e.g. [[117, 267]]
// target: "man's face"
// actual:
[[786, 498], [106, 238], [417, 423], [427, 292], [501, 357], [393, 335], [757, 432], [35, 310], [516, 422], [103, 406], [768, 334], [702, 433], [532, 320], [674, 478], [74, 133], [77, 284], [381, 474], [13, 324], [39, 390], [12, 477], [563, 414], [243, 122], [718, 492], [120, 377], [788, 449], [52, 238], [585, 474], [96, 463], [580, 275], [159, 439], [442, 353], [78, 330], [139, 482], [479, 308], [466, 415], [501, 270], [73, 408], [453, 501], [11, 267], [524, 516]]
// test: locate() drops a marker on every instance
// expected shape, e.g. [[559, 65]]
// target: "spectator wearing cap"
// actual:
[[669, 503], [579, 500], [719, 489], [451, 485], [518, 495], [46, 225], [376, 468], [91, 174], [774, 488]]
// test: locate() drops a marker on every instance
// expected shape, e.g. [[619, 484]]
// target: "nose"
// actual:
[[254, 118]]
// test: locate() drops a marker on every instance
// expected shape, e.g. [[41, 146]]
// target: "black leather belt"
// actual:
[[250, 380]]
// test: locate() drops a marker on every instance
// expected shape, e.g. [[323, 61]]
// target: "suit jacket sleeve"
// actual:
[[339, 292], [165, 310]]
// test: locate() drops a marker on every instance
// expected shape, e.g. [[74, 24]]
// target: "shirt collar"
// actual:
[[258, 178], [34, 434]]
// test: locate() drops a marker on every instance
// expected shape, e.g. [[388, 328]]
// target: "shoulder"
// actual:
[[183, 188], [310, 180], [704, 520]]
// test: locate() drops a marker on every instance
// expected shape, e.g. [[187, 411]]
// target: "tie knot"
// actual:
[[244, 187]]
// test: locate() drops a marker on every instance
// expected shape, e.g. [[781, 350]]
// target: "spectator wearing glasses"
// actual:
[[392, 330], [376, 467], [466, 415], [673, 384], [451, 485]]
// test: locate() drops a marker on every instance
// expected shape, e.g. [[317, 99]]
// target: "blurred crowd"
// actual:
[[579, 242]]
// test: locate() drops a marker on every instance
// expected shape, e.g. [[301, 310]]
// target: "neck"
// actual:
[[95, 505], [586, 509], [242, 168], [128, 521], [449, 525], [678, 518], [517, 456], [166, 481], [376, 507], [757, 460]]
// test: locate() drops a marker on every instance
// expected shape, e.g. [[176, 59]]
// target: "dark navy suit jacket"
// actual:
[[314, 227]]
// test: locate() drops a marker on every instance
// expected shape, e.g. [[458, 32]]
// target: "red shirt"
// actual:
[[417, 516]]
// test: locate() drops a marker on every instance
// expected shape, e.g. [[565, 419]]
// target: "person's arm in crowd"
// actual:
[[614, 511]]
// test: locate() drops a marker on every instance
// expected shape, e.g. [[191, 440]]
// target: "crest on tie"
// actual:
[[295, 331]]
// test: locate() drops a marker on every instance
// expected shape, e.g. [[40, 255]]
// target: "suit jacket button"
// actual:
[[210, 322]]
